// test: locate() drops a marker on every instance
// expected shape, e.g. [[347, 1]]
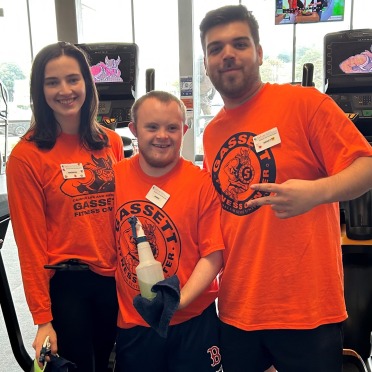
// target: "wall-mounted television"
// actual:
[[308, 11], [114, 67], [348, 60]]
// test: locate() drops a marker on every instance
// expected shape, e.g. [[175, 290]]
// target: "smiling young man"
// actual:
[[179, 209], [281, 157]]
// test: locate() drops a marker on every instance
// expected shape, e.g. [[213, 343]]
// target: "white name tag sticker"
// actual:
[[72, 170], [157, 196], [266, 140]]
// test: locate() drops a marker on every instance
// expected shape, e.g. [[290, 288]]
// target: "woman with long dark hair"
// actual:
[[61, 189]]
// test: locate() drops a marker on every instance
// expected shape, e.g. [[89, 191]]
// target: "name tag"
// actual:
[[266, 140], [73, 170], [157, 196]]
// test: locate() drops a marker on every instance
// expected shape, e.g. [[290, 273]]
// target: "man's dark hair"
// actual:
[[228, 14]]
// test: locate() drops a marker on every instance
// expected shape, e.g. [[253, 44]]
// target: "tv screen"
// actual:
[[308, 11], [348, 59], [114, 68]]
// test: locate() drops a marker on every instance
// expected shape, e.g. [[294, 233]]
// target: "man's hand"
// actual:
[[289, 199]]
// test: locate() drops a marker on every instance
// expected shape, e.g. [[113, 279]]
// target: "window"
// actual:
[[109, 23], [156, 33], [207, 102], [19, 27]]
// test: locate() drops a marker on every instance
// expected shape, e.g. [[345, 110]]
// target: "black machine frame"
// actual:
[[349, 84]]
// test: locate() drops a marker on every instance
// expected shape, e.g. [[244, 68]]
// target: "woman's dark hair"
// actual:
[[44, 127], [228, 14]]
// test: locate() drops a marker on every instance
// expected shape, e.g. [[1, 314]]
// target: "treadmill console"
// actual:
[[348, 61], [348, 74], [114, 67], [115, 109], [355, 103]]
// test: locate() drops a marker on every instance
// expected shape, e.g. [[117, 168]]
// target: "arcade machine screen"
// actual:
[[348, 72], [114, 68]]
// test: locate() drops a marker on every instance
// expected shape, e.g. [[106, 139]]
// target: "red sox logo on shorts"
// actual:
[[215, 355], [236, 166]]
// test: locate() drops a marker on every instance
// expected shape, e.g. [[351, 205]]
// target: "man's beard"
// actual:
[[234, 87], [231, 88]]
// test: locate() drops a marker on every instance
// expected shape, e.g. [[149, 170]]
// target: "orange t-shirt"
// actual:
[[280, 273], [182, 231], [56, 219]]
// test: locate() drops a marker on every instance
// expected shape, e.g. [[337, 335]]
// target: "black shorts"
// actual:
[[318, 349], [192, 346]]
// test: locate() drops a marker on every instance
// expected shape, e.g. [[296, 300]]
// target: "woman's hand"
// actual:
[[43, 331]]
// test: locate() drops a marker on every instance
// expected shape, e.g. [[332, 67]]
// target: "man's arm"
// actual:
[[294, 197], [204, 272]]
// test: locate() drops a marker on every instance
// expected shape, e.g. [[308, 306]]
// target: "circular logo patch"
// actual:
[[236, 166], [161, 234]]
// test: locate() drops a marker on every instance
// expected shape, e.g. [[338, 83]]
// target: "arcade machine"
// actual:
[[114, 67], [348, 81]]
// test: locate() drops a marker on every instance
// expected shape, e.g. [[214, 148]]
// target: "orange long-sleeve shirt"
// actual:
[[56, 219]]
